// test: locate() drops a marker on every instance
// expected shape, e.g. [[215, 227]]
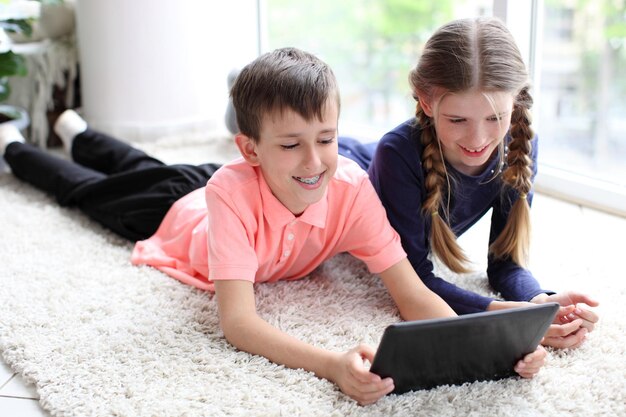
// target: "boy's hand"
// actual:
[[354, 380], [530, 365]]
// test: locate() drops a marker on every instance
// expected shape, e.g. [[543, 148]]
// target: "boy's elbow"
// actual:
[[225, 330], [235, 331], [229, 329]]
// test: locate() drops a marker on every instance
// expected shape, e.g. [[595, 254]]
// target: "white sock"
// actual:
[[9, 134], [68, 126]]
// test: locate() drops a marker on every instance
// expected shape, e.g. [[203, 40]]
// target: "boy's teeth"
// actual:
[[310, 181]]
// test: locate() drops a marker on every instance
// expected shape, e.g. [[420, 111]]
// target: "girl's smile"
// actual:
[[474, 153]]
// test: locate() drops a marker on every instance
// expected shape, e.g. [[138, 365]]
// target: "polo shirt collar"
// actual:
[[278, 216]]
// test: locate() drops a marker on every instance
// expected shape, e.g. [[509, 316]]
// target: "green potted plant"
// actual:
[[12, 64]]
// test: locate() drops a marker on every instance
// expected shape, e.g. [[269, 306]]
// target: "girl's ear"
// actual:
[[247, 148], [425, 104]]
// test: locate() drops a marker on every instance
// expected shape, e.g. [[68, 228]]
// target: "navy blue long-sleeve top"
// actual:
[[397, 174]]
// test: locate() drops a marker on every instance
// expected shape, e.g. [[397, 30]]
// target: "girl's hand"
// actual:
[[581, 302], [530, 365], [564, 333], [588, 317], [573, 321], [354, 380], [565, 336], [566, 298]]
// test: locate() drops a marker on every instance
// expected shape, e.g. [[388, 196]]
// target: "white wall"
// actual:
[[155, 67]]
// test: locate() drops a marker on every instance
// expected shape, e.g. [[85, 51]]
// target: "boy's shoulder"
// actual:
[[349, 184], [233, 175]]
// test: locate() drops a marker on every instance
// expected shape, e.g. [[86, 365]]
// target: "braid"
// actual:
[[442, 240], [514, 241]]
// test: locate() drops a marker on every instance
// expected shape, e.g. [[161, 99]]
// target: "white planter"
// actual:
[[19, 116], [151, 68]]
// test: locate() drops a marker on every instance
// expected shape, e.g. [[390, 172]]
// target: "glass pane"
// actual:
[[582, 103], [371, 46]]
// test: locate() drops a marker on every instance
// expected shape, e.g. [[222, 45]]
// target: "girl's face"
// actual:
[[470, 126], [297, 157]]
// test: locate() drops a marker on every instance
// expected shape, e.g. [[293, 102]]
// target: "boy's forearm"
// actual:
[[254, 335], [245, 330]]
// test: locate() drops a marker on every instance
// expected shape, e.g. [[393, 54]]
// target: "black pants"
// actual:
[[119, 186]]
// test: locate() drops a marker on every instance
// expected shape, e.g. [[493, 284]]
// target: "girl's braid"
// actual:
[[514, 241], [443, 241]]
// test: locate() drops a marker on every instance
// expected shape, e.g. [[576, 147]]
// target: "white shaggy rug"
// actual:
[[99, 337]]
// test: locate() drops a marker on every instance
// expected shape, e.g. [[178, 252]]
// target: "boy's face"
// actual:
[[297, 157]]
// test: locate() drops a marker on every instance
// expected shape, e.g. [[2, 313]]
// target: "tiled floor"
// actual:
[[18, 399]]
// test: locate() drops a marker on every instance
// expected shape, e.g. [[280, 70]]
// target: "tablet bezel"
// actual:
[[451, 351]]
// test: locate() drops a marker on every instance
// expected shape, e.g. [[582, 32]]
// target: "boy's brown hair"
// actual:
[[281, 79]]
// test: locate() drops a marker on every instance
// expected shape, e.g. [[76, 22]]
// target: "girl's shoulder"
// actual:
[[403, 138], [402, 143], [398, 155]]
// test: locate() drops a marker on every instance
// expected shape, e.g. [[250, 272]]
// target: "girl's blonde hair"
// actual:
[[478, 54]]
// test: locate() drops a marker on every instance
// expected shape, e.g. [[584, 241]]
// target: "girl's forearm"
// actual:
[[414, 300]]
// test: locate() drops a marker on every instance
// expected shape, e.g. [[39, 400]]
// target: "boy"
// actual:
[[278, 212]]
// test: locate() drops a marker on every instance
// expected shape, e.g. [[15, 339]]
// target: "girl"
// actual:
[[469, 149]]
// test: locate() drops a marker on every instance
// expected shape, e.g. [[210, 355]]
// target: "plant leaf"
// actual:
[[12, 64]]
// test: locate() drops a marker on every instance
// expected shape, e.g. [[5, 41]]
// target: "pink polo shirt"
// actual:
[[234, 228]]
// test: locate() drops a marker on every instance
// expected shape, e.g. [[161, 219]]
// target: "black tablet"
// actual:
[[475, 347]]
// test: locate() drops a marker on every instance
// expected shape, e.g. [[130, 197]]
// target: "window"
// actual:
[[371, 46], [574, 48], [581, 96]]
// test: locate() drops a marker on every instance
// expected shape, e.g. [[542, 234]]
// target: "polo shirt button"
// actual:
[[286, 253], [290, 236]]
